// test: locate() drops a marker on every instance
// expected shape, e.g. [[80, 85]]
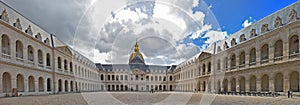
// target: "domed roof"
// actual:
[[136, 56]]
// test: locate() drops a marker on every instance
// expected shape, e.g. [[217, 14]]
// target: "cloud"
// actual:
[[247, 22], [106, 30]]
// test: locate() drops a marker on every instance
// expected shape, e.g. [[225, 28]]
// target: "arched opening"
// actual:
[[71, 67], [41, 84], [278, 82], [6, 81], [252, 56], [30, 53], [233, 61], [48, 59], [219, 86], [293, 45], [20, 83], [203, 69], [242, 58], [209, 68], [59, 85], [66, 86], [242, 84], [102, 77], [165, 87], [72, 86], [294, 81], [65, 64], [40, 56], [253, 83], [5, 44], [204, 86], [59, 62], [225, 85], [278, 50], [265, 83], [171, 88], [265, 52], [48, 84], [19, 49], [233, 84], [31, 84]]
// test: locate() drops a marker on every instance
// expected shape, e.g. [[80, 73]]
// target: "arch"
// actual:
[[232, 61], [48, 84], [294, 81], [41, 84], [265, 83], [225, 85], [60, 85], [242, 84], [293, 45], [278, 82], [31, 84], [278, 49], [20, 83], [264, 52], [72, 85], [30, 53], [48, 59], [242, 58], [19, 49], [40, 56], [59, 62], [6, 82], [233, 84], [252, 58], [252, 83], [5, 44], [66, 86]]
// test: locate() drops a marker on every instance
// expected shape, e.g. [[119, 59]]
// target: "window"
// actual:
[[5, 45], [252, 55], [65, 64], [48, 61], [30, 53], [59, 62], [265, 52], [71, 67], [40, 57], [19, 49]]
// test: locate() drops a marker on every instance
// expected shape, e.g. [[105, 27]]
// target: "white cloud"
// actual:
[[247, 22]]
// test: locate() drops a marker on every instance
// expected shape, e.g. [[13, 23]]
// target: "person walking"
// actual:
[[289, 93]]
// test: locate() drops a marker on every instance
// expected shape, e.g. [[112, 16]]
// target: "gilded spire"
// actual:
[[136, 46]]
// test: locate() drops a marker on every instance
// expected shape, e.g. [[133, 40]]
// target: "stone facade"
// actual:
[[35, 62], [264, 59]]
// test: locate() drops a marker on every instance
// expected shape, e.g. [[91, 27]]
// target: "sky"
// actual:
[[168, 31]]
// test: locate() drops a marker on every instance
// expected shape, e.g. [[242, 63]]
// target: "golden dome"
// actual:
[[136, 53]]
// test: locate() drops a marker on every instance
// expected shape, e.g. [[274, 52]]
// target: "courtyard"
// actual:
[[141, 98]]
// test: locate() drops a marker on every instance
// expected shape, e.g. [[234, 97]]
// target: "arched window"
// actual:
[[203, 69], [40, 56], [5, 44], [252, 59], [48, 59], [71, 67], [242, 58], [233, 61], [225, 63], [65, 64], [265, 52], [278, 50], [19, 49], [294, 45], [209, 68], [30, 53], [59, 62]]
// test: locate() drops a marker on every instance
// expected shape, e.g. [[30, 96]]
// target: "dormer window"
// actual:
[[17, 24], [233, 42], [28, 30], [242, 38], [253, 33], [4, 16], [293, 16], [264, 28], [225, 46], [278, 22]]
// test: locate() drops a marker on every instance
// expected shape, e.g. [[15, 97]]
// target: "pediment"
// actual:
[[204, 55], [65, 50], [138, 71]]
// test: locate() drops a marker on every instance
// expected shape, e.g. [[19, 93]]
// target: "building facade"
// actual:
[[263, 57]]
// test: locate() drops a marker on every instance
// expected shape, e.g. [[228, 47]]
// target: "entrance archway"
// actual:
[[31, 84], [242, 84], [20, 83], [6, 81], [265, 83], [294, 81], [41, 84], [253, 83], [278, 82]]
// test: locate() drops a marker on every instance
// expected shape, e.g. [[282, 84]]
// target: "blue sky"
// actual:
[[232, 13]]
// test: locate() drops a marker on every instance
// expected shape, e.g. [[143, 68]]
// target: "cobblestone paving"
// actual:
[[143, 98]]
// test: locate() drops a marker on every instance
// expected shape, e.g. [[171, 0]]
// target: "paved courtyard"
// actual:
[[167, 98]]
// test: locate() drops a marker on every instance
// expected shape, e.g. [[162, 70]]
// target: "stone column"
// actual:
[[285, 48], [286, 82], [63, 86], [69, 86], [229, 85], [247, 59], [26, 86], [36, 86], [247, 83], [13, 83], [221, 85], [1, 90], [271, 84], [45, 85], [237, 84], [258, 83], [271, 53]]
